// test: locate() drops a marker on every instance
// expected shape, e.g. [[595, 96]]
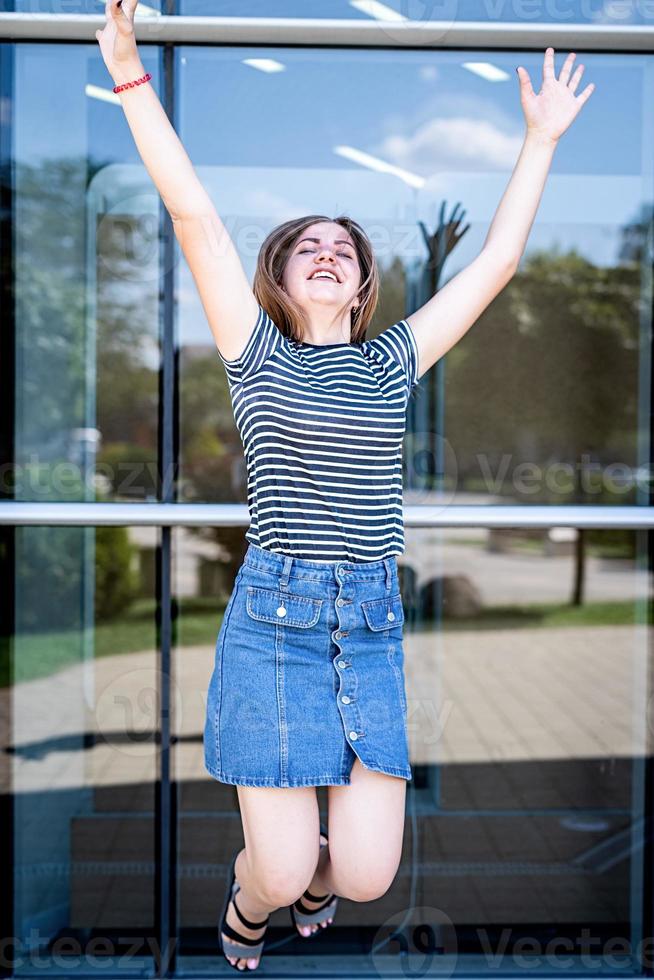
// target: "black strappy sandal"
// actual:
[[229, 948], [303, 916]]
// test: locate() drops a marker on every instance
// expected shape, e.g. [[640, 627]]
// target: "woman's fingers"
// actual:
[[564, 74], [128, 7], [123, 15], [576, 78]]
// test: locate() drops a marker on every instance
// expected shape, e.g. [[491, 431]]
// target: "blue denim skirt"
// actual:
[[308, 674]]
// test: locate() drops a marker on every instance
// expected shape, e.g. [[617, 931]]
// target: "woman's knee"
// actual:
[[279, 882], [279, 888], [364, 886]]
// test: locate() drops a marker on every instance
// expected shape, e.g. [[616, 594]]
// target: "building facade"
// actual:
[[526, 576]]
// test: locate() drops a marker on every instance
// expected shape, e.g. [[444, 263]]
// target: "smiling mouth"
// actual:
[[322, 278]]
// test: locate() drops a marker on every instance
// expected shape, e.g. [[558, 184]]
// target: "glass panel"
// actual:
[[528, 693], [446, 12], [86, 285], [526, 665], [209, 828], [560, 389], [309, 9], [205, 561], [143, 10], [82, 740], [443, 11]]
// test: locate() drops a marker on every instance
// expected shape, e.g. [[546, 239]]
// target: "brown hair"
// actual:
[[273, 255]]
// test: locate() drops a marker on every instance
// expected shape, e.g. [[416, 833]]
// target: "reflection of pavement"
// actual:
[[59, 731], [531, 718], [525, 694], [473, 696], [515, 577]]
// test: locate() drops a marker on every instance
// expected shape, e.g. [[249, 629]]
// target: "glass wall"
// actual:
[[554, 364], [527, 651], [391, 12], [86, 258], [80, 697], [528, 685]]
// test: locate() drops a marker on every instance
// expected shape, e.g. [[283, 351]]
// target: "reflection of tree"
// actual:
[[392, 297], [128, 349], [635, 245], [57, 394], [212, 467], [209, 441], [50, 566], [50, 304], [548, 373]]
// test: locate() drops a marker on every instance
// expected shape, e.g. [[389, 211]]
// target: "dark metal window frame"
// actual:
[[167, 31]]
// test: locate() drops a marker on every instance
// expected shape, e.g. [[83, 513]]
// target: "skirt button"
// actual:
[[353, 736], [338, 635], [345, 699], [340, 602], [341, 663]]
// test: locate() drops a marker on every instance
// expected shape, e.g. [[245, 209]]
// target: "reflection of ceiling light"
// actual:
[[103, 94], [373, 8], [591, 824], [374, 163], [485, 70], [264, 64], [142, 10]]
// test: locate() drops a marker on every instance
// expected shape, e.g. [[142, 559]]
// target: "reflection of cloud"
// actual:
[[451, 144], [275, 206], [428, 73]]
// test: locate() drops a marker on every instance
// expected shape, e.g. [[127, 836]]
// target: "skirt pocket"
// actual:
[[282, 608], [385, 613]]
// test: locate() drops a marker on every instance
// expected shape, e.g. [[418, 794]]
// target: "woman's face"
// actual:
[[323, 246]]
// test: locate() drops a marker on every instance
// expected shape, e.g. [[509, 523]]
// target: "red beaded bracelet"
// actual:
[[138, 81]]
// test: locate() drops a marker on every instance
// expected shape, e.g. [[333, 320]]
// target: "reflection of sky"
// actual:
[[486, 11], [264, 143], [425, 111], [564, 12], [422, 111]]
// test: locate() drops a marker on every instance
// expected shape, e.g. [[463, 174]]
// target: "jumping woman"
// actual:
[[308, 682]]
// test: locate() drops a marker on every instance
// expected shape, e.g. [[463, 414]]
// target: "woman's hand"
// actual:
[[549, 113], [117, 41]]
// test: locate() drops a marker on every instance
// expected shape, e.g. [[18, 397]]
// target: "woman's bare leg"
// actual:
[[366, 829], [280, 829]]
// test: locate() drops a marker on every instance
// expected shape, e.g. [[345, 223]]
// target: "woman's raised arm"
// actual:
[[227, 298]]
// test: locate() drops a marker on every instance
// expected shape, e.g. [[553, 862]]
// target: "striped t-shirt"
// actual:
[[322, 428]]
